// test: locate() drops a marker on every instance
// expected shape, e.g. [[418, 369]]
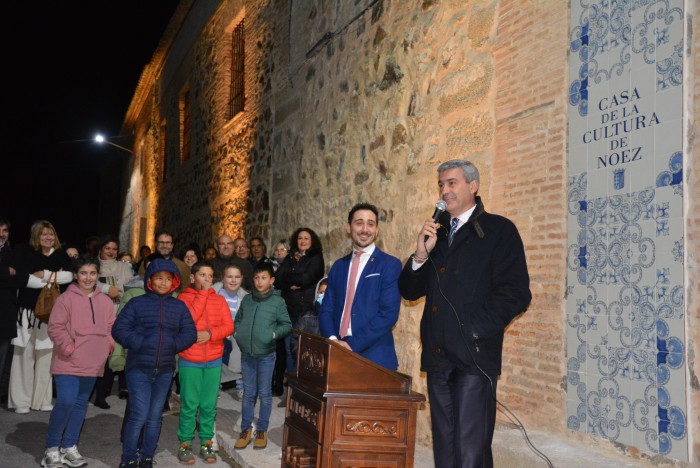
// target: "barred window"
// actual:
[[237, 99], [185, 125], [163, 153]]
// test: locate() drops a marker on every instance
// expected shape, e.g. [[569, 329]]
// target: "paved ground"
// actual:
[[23, 437]]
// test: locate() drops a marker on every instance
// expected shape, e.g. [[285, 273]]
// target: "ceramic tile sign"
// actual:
[[625, 300]]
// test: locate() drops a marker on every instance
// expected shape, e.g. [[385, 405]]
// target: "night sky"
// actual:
[[70, 70]]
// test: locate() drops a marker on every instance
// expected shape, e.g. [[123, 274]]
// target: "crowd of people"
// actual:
[[184, 320], [108, 324]]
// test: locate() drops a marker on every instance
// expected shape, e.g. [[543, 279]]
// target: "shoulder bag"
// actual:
[[47, 298]]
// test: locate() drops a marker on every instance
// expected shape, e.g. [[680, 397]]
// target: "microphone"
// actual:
[[440, 208]]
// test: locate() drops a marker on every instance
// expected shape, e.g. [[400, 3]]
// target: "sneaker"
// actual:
[[131, 464], [147, 463], [46, 408], [21, 410], [52, 458], [206, 451], [185, 455], [260, 440], [243, 440], [71, 457]]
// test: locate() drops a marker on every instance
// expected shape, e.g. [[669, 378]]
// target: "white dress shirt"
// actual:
[[364, 258]]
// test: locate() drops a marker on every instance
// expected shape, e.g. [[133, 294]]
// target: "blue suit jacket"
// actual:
[[375, 308]]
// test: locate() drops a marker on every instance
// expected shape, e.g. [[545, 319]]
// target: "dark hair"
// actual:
[[315, 241], [261, 241], [199, 265], [363, 206], [262, 267], [194, 247], [80, 262], [66, 245], [123, 254], [5, 222], [144, 247], [166, 233], [107, 239]]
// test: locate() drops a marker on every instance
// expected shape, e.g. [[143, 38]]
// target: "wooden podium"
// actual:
[[346, 411]]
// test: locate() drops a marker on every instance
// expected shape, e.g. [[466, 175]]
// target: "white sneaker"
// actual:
[[52, 458], [21, 410], [71, 457], [46, 408]]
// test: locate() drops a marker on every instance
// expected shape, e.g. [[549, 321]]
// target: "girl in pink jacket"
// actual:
[[80, 328]]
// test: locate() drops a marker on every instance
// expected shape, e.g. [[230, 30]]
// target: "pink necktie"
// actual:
[[350, 295]]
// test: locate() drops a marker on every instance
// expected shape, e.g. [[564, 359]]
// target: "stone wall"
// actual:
[[361, 101], [423, 85]]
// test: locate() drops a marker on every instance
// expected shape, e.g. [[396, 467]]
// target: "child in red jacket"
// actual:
[[200, 364]]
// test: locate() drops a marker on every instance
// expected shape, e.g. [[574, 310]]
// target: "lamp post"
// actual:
[[100, 139], [112, 187]]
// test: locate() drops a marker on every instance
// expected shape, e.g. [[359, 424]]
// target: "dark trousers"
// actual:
[[103, 385], [6, 350], [278, 374], [463, 413]]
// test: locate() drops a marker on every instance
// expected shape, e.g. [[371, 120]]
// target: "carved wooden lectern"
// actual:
[[346, 411]]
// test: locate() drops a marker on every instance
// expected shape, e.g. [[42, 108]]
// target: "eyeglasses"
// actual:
[[164, 243]]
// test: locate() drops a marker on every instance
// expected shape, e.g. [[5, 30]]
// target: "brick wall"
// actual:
[[529, 186]]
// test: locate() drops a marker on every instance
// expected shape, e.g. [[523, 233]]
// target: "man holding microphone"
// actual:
[[474, 276]]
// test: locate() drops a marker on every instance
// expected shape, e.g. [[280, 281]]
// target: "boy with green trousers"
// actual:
[[200, 364], [262, 319]]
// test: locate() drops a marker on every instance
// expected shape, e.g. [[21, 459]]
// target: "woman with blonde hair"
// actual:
[[30, 375]]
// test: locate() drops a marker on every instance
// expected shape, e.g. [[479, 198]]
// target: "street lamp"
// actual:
[[100, 139]]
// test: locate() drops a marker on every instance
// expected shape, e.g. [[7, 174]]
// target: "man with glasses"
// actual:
[[240, 246], [165, 243]]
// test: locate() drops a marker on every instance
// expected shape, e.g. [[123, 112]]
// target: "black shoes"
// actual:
[[228, 385], [102, 404]]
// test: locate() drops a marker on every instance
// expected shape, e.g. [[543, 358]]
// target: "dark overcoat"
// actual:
[[473, 288]]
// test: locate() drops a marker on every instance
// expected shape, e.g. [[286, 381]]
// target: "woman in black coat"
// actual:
[[297, 277], [30, 375]]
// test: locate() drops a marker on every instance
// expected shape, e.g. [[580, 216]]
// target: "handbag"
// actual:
[[47, 298]]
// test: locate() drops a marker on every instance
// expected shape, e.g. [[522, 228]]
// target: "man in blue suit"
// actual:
[[360, 314]]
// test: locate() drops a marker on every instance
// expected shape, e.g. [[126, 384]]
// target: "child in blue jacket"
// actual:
[[153, 328]]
